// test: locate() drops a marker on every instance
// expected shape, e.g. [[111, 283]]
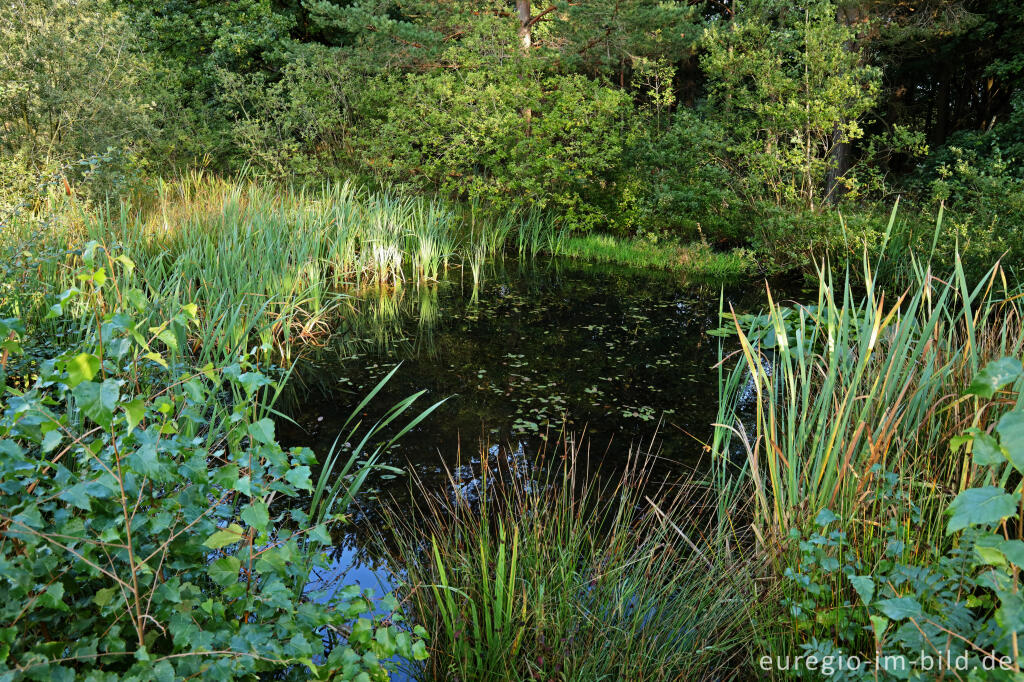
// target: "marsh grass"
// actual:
[[263, 263], [569, 573], [697, 259], [832, 403]]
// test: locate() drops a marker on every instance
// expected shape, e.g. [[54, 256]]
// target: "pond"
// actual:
[[619, 358]]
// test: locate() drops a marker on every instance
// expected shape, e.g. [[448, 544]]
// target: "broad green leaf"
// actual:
[[900, 608], [97, 400], [134, 411], [262, 431], [82, 367], [224, 537], [147, 461], [1011, 437], [299, 477], [995, 375], [981, 506], [77, 495], [224, 571], [879, 624], [987, 451], [825, 517], [865, 587], [53, 597], [104, 596], [257, 515], [1010, 614], [1014, 551], [51, 440]]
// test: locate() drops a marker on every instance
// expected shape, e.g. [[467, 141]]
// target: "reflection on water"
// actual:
[[619, 357]]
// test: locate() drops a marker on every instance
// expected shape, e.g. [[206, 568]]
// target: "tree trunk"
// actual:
[[525, 36], [525, 41]]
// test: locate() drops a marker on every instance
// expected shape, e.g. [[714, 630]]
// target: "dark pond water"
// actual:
[[620, 358]]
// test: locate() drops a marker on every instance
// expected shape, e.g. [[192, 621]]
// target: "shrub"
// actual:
[[151, 525]]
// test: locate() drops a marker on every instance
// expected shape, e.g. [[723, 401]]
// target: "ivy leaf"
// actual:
[[224, 537], [1011, 436], [97, 400], [980, 506], [995, 375], [224, 571]]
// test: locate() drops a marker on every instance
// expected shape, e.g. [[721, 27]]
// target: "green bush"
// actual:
[[152, 527], [463, 134]]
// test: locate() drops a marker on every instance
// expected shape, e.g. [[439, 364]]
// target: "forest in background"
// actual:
[[786, 128], [194, 196]]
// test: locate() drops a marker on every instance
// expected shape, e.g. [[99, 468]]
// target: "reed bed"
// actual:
[[844, 410], [265, 264], [565, 572]]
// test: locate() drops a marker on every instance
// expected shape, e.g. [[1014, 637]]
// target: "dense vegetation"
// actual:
[[189, 191]]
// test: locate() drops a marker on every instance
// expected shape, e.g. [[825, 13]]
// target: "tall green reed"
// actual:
[[568, 573]]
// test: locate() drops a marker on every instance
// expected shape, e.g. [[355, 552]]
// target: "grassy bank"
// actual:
[[271, 264], [696, 260]]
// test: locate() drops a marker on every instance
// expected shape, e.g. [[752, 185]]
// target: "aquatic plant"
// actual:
[[566, 573]]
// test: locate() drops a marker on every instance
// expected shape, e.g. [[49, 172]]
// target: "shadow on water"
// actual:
[[619, 355]]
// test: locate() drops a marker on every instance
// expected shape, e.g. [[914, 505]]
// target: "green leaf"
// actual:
[[299, 477], [53, 597], [104, 596], [147, 461], [825, 517], [995, 375], [224, 537], [134, 411], [980, 506], [865, 587], [1011, 437], [900, 608], [1010, 615], [257, 515], [987, 451], [262, 431], [1014, 551], [82, 367], [51, 440], [224, 571], [97, 400], [77, 495], [879, 624], [319, 534]]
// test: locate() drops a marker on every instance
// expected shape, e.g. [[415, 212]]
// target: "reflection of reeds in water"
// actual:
[[260, 261]]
